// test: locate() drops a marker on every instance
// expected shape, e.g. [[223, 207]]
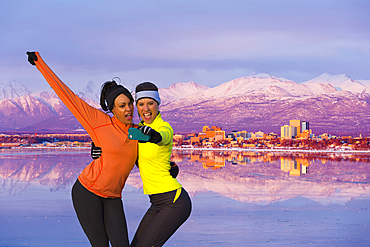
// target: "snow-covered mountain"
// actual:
[[23, 110], [265, 102], [262, 85], [258, 84], [256, 102], [20, 108], [340, 82], [364, 82], [180, 90], [12, 89]]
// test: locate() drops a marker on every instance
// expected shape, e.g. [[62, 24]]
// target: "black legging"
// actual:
[[162, 219], [102, 219]]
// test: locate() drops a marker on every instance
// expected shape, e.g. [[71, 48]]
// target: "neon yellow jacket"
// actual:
[[154, 160]]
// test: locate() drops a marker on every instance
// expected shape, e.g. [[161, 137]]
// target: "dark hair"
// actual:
[[145, 86], [109, 92]]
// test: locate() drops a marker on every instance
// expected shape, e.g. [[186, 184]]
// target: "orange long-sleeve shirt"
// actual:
[[107, 175]]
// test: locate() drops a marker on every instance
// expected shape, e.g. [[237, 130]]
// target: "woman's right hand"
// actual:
[[31, 57]]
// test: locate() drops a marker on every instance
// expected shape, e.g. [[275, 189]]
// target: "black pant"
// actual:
[[102, 219], [162, 219]]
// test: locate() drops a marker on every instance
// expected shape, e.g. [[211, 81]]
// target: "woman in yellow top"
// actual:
[[170, 203], [97, 192]]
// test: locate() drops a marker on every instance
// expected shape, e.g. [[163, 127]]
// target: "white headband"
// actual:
[[148, 94]]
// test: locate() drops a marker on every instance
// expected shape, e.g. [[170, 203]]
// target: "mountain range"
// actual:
[[335, 104]]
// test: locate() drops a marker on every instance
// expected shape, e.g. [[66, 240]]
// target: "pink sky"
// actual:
[[209, 42]]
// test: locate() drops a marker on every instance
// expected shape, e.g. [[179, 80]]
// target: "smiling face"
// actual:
[[148, 109], [123, 109]]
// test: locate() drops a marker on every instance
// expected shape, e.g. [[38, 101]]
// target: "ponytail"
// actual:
[[109, 92]]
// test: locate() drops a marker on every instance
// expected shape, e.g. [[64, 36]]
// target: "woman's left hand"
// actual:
[[95, 151], [174, 170]]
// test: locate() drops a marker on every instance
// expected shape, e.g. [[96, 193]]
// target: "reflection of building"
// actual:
[[176, 158], [295, 166], [208, 159], [304, 169], [217, 163], [53, 170], [291, 166], [194, 157], [286, 164]]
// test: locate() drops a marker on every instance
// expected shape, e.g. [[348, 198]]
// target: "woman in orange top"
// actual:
[[97, 192]]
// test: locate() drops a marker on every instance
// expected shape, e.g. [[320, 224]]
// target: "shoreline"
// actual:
[[295, 150], [289, 150]]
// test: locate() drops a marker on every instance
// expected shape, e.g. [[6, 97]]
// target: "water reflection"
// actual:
[[295, 164], [260, 178], [56, 170], [265, 178]]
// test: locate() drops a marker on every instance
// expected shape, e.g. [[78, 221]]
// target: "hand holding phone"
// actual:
[[136, 134]]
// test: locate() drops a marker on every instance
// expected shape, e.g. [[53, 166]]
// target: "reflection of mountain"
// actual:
[[246, 177], [263, 180], [17, 172]]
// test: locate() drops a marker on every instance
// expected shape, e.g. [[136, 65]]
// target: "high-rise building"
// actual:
[[286, 131], [219, 135], [216, 128], [297, 124], [294, 131], [243, 134], [259, 134], [205, 128], [305, 126]]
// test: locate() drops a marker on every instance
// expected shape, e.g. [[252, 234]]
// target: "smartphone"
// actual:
[[136, 134]]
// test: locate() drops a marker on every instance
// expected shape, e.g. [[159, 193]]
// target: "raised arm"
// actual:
[[84, 113]]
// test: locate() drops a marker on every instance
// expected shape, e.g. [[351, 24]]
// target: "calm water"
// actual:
[[239, 199]]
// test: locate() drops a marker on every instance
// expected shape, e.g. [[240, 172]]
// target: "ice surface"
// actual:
[[36, 208]]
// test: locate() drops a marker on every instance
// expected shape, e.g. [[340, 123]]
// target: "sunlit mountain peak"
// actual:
[[340, 82], [180, 90]]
